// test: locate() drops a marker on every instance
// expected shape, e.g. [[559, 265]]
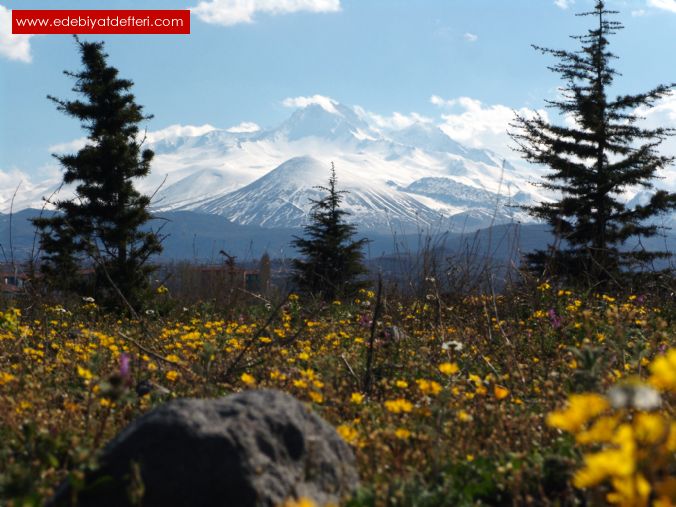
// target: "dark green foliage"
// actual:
[[602, 154], [101, 226], [333, 262]]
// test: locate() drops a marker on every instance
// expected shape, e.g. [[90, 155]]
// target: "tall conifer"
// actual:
[[333, 261], [593, 160], [103, 223]]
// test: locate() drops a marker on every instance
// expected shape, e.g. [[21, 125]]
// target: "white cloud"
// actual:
[[638, 13], [663, 115], [231, 12], [471, 37], [244, 128], [477, 125], [395, 121], [563, 4], [174, 131], [667, 5], [327, 103], [466, 103], [14, 47], [170, 132], [68, 146]]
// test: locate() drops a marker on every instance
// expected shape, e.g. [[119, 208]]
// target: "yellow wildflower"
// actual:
[[500, 392], [581, 408], [348, 433], [84, 373], [632, 492], [464, 416], [429, 386], [399, 405], [6, 378], [663, 371], [402, 434], [301, 502], [357, 398], [449, 368], [316, 397], [613, 462], [650, 428], [601, 431]]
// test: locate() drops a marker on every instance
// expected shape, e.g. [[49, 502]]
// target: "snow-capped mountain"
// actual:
[[281, 198], [412, 178], [407, 179]]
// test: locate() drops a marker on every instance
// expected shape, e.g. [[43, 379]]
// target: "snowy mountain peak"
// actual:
[[297, 172], [410, 178], [315, 120]]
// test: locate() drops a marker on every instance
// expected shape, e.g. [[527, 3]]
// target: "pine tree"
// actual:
[[593, 161], [333, 262], [102, 224]]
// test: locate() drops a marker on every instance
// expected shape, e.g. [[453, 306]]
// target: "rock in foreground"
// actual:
[[255, 448]]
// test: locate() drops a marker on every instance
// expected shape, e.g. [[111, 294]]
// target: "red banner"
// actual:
[[25, 21]]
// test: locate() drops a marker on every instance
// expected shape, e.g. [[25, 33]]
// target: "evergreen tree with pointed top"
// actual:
[[592, 162], [332, 261], [102, 224]]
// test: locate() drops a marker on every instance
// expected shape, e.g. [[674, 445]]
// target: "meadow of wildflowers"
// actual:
[[546, 398]]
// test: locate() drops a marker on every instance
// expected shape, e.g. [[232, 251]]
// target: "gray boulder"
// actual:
[[255, 448]]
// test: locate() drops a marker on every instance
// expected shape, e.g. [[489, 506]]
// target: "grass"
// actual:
[[455, 415]]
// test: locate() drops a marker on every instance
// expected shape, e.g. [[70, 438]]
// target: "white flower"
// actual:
[[88, 299], [638, 396], [452, 344]]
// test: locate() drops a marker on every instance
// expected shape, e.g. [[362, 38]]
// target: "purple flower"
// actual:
[[125, 366], [554, 319], [365, 320]]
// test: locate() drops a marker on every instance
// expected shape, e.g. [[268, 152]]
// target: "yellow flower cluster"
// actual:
[[634, 449], [449, 368], [398, 406], [428, 387]]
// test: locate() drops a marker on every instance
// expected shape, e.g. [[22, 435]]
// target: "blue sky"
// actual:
[[455, 62]]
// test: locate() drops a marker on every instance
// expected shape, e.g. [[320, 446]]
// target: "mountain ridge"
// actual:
[[400, 179]]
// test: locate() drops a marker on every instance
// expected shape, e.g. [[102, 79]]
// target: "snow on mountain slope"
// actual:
[[283, 198], [18, 191], [409, 177]]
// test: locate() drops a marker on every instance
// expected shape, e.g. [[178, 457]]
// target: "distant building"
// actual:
[[12, 280]]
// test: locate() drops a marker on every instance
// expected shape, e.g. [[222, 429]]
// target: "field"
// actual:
[[452, 411]]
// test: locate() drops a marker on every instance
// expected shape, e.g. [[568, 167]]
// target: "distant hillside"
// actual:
[[200, 236]]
